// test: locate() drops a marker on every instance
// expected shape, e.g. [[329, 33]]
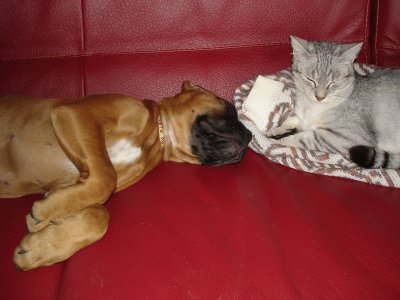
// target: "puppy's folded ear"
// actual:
[[188, 86]]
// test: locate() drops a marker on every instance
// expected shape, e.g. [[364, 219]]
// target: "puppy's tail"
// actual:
[[373, 158]]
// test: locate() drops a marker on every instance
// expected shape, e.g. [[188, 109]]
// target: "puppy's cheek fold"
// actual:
[[195, 150]]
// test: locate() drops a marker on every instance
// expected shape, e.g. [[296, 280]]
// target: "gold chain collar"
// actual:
[[161, 133]]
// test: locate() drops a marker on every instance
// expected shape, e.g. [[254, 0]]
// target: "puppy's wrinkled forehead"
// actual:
[[198, 101], [201, 101]]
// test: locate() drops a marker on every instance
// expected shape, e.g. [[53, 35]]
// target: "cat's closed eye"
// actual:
[[312, 81]]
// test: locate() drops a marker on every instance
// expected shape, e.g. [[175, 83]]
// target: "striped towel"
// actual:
[[267, 101]]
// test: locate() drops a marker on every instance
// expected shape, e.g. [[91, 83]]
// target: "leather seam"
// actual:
[[156, 51], [366, 31], [376, 31], [83, 32], [389, 47]]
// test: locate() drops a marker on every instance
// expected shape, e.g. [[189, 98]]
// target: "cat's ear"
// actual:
[[300, 46], [350, 51]]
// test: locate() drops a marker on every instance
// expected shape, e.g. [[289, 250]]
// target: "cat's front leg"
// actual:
[[321, 140], [288, 127], [303, 139]]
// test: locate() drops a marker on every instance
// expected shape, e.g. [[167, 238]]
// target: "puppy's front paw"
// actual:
[[38, 217], [280, 132], [34, 224], [43, 248], [30, 253], [58, 241]]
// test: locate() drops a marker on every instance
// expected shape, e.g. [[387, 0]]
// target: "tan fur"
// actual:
[[59, 148]]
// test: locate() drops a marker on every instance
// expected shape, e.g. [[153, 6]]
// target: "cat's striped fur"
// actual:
[[339, 111]]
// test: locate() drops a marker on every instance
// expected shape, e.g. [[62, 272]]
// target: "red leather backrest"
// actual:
[[44, 28], [40, 28], [387, 38], [171, 25]]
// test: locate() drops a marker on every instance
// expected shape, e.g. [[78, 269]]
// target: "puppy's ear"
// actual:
[[189, 86]]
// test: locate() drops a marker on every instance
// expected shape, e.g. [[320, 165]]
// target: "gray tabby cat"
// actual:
[[340, 111]]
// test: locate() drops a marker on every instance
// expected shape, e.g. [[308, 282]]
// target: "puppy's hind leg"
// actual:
[[57, 242]]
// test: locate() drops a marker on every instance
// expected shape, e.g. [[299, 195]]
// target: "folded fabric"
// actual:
[[265, 102]]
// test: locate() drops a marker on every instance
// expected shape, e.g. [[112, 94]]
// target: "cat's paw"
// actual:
[[280, 132]]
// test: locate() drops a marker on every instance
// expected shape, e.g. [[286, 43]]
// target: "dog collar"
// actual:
[[161, 133]]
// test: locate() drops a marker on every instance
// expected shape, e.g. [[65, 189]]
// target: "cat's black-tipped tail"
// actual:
[[372, 158]]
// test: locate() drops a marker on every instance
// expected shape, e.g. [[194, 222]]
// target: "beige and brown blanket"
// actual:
[[272, 111]]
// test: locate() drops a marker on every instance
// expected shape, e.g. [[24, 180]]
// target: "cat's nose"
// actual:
[[319, 98]]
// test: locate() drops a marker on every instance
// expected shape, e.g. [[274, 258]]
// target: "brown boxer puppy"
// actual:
[[77, 152]]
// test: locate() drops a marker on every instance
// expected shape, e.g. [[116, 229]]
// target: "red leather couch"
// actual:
[[255, 230]]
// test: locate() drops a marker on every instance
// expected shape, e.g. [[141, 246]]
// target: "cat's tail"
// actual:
[[373, 158]]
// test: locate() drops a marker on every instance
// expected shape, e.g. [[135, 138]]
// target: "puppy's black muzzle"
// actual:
[[220, 139]]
